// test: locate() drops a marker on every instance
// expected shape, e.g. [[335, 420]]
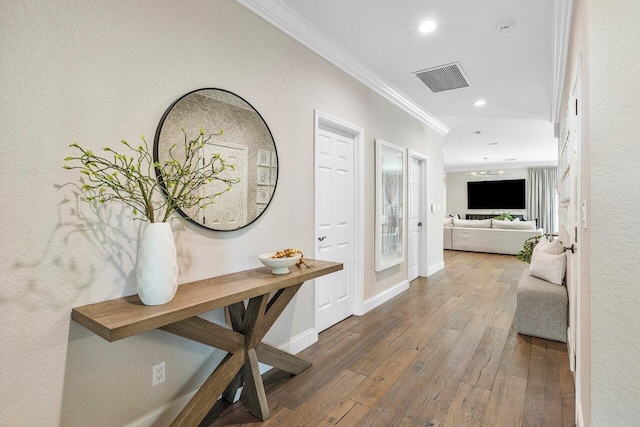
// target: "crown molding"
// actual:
[[563, 12], [293, 24]]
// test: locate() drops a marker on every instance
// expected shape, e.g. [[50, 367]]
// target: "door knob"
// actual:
[[322, 238], [420, 224]]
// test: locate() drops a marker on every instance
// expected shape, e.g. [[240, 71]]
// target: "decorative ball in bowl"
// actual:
[[279, 265]]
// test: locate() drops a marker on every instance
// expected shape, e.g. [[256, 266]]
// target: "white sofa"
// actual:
[[499, 237]]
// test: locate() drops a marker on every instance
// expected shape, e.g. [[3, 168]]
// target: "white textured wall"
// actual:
[[614, 73], [96, 72], [457, 192]]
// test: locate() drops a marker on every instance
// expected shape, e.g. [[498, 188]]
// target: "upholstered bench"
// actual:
[[542, 309]]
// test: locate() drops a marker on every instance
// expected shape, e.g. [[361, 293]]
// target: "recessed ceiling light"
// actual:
[[480, 103], [509, 160], [492, 143], [427, 27]]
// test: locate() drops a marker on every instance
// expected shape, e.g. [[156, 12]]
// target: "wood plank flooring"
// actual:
[[443, 353]]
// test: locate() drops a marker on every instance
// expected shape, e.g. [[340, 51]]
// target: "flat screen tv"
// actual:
[[508, 194]]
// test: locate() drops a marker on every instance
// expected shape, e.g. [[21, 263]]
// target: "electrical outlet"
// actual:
[[157, 373]]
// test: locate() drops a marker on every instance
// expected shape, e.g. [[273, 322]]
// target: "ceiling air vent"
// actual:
[[443, 78]]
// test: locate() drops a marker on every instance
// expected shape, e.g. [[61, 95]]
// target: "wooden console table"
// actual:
[[124, 317]]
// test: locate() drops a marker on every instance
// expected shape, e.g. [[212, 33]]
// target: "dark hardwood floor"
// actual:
[[444, 353]]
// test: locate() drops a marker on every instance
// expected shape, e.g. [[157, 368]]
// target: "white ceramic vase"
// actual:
[[157, 266]]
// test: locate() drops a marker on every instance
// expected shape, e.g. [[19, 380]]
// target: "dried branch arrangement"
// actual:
[[130, 177]]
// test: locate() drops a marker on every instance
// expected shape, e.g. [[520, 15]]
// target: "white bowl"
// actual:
[[279, 265]]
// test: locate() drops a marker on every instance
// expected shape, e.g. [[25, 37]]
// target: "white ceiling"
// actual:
[[512, 71]]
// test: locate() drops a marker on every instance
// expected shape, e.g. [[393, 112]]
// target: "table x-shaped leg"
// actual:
[[245, 349]]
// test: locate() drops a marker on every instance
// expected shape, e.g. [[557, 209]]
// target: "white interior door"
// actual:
[[334, 207], [570, 213], [229, 211], [414, 209]]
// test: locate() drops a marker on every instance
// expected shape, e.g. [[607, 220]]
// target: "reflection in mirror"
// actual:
[[245, 142]]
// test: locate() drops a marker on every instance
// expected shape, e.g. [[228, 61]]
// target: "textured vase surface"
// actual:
[[157, 266]]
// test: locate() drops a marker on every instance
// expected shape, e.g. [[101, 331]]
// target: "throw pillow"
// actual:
[[548, 267], [514, 225], [542, 243], [553, 248], [516, 219], [472, 223], [448, 222]]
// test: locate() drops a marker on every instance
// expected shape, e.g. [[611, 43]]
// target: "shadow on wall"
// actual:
[[106, 383], [110, 383], [109, 233], [90, 256]]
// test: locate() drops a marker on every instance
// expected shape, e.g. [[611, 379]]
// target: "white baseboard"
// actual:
[[163, 415], [166, 413], [300, 342], [435, 268], [579, 416], [385, 296]]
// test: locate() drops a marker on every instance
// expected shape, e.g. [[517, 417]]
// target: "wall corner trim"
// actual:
[[290, 22], [563, 13], [435, 268], [385, 296], [166, 413]]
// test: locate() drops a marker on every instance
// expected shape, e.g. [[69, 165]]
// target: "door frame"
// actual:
[[576, 93], [322, 118], [423, 264]]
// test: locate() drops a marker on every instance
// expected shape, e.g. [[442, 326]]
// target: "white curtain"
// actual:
[[541, 197]]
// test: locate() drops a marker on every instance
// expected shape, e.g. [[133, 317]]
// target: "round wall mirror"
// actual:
[[246, 143]]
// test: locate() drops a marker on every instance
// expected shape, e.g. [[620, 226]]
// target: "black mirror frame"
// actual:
[[156, 142]]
